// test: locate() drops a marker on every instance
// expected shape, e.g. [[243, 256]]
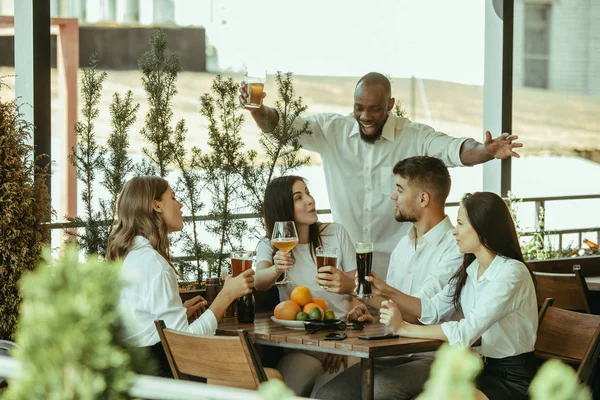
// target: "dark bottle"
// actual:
[[245, 309]]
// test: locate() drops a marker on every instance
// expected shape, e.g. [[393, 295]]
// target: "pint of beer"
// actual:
[[255, 93], [240, 261], [364, 264], [326, 256]]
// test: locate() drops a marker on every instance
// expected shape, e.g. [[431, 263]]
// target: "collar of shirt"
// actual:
[[491, 273], [140, 241], [433, 236], [392, 125]]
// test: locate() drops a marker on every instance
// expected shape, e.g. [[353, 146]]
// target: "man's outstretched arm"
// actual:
[[472, 152]]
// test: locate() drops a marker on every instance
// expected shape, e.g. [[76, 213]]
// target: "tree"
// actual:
[[281, 146], [159, 81], [222, 168], [117, 164], [87, 158]]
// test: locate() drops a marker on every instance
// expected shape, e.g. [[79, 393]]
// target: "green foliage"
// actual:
[[24, 205], [399, 110], [452, 374], [189, 186], [159, 81], [281, 146], [557, 381], [87, 158], [73, 346], [222, 168], [117, 164], [540, 246]]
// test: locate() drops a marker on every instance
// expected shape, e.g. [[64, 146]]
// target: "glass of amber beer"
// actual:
[[255, 84], [285, 238], [364, 263], [240, 261], [326, 256]]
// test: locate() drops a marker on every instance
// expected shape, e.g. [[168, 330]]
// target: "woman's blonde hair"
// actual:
[[136, 217]]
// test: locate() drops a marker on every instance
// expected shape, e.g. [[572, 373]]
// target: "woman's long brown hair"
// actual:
[[136, 217], [491, 219], [278, 205]]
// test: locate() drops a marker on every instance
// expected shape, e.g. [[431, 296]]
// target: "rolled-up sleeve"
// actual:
[[438, 308], [440, 145], [497, 301]]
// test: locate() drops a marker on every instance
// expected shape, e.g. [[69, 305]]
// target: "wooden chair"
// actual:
[[222, 360], [569, 336], [569, 291]]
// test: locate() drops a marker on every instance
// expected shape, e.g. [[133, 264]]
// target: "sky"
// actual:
[[434, 39]]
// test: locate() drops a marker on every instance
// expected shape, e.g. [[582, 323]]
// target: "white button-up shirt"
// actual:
[[500, 307], [151, 294], [359, 175], [425, 269]]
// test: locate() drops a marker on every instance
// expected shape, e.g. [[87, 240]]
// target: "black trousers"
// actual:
[[157, 352], [507, 378]]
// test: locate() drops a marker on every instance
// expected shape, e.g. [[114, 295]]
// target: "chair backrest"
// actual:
[[569, 291], [569, 336], [222, 360]]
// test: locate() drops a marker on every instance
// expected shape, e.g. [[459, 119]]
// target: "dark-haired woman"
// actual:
[[496, 293], [287, 198]]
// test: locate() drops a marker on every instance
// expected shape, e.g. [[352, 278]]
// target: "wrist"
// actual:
[[404, 329], [276, 271]]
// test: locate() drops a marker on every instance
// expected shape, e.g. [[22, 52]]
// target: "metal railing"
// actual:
[[538, 202]]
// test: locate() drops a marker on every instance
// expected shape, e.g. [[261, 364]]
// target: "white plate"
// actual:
[[289, 324]]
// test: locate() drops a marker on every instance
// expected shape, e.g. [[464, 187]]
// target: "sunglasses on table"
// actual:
[[333, 325]]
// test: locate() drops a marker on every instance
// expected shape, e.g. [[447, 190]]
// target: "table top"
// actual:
[[265, 331]]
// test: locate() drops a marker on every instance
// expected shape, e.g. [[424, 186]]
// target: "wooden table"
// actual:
[[266, 332]]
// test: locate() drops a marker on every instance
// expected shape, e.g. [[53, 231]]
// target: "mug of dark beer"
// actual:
[[364, 263]]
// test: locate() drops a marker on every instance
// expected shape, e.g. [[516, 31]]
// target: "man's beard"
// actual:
[[371, 138], [374, 137], [402, 217]]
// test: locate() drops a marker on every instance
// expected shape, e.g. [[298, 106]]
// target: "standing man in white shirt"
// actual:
[[421, 264], [359, 151]]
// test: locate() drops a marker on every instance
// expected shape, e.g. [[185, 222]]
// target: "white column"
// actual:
[[164, 12], [146, 12], [497, 88], [128, 11], [93, 10]]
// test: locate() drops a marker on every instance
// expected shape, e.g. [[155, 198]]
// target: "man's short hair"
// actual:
[[375, 78], [428, 173]]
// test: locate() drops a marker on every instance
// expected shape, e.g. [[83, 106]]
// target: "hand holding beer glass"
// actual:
[[284, 238], [326, 256], [364, 264], [254, 85]]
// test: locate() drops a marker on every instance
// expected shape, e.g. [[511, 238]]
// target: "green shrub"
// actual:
[[70, 335], [24, 206]]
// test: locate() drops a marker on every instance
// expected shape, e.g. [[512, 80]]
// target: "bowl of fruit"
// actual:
[[301, 309]]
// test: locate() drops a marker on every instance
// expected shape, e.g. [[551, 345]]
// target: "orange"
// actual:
[[310, 306], [321, 302], [301, 295], [286, 310]]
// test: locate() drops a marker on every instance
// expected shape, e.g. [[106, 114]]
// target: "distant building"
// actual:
[[557, 45]]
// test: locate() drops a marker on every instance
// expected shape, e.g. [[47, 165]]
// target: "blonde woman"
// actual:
[[147, 212]]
